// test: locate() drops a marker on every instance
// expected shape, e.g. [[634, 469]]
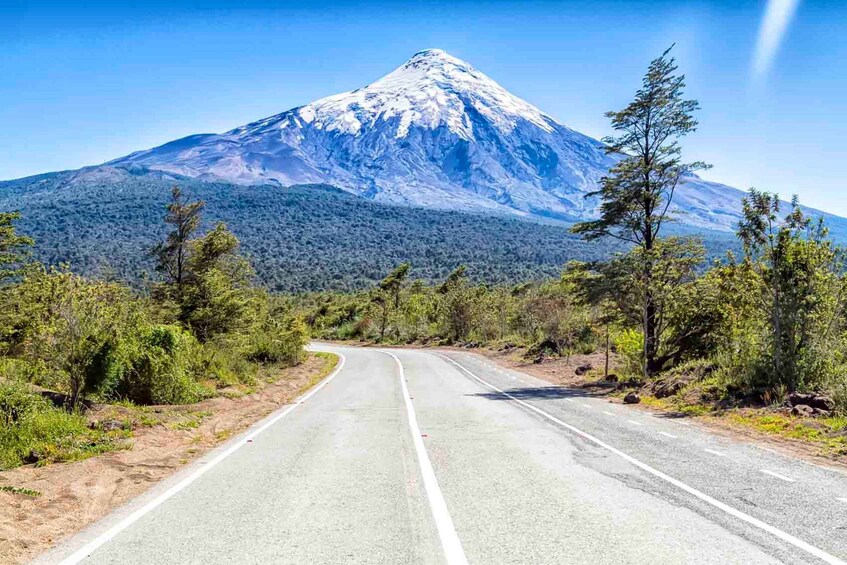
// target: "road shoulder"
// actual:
[[70, 496]]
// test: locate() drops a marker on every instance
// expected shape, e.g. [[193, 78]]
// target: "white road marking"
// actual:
[[237, 443], [841, 500], [666, 434], [713, 452], [778, 476], [570, 400], [450, 543], [608, 413], [634, 422], [587, 406], [796, 542]]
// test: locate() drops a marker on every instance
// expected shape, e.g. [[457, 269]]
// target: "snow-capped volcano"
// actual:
[[435, 132], [433, 89]]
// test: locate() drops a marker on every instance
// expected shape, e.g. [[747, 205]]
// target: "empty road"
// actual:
[[426, 456]]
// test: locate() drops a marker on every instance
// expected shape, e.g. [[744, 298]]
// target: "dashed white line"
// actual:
[[666, 434], [587, 405], [778, 476], [841, 500], [608, 413], [796, 542], [634, 422], [570, 400], [713, 452], [453, 551]]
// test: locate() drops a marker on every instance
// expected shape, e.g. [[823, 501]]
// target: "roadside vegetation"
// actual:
[[200, 328], [764, 326]]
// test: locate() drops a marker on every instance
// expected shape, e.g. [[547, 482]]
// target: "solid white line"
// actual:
[[453, 551], [778, 476], [608, 413], [634, 422], [91, 546], [796, 542], [666, 434], [713, 452]]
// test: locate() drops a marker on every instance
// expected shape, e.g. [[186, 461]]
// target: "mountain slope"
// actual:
[[435, 133]]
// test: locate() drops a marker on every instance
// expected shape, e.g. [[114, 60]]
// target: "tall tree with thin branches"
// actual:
[[172, 254], [637, 193]]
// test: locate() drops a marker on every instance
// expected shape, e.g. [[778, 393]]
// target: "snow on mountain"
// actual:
[[436, 133]]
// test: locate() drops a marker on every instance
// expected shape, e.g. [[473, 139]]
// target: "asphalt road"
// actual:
[[420, 456]]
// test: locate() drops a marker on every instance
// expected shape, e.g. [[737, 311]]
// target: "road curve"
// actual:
[[423, 456]]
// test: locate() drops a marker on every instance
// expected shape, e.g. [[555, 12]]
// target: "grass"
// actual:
[[32, 430], [330, 362], [826, 432], [52, 435], [20, 490], [192, 421], [830, 434]]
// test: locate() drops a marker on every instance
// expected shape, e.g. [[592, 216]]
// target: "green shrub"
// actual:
[[221, 360], [32, 430], [152, 366], [286, 347], [629, 344]]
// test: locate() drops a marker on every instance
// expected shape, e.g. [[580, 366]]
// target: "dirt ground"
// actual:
[[563, 373], [165, 438]]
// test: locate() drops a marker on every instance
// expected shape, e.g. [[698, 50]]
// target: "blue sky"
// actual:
[[89, 82]]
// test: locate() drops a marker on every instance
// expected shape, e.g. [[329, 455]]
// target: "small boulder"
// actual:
[[797, 398], [664, 388], [819, 401], [802, 410], [106, 425], [631, 398], [823, 403], [612, 378], [583, 369]]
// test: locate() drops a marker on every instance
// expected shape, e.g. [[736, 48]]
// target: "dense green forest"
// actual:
[[303, 238]]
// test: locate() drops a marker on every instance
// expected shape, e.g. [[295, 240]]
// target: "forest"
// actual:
[[298, 239]]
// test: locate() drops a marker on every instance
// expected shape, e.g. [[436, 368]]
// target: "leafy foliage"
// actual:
[[302, 238]]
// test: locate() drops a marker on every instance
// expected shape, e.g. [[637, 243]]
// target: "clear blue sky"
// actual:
[[83, 84]]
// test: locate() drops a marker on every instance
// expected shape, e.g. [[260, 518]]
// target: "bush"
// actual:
[[629, 344], [270, 345], [32, 430], [152, 366], [222, 361]]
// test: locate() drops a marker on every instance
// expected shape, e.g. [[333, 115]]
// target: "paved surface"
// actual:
[[419, 456]]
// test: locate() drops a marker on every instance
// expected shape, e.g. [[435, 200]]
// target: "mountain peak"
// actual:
[[432, 89]]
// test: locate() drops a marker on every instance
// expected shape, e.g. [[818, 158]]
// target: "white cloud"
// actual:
[[778, 16]]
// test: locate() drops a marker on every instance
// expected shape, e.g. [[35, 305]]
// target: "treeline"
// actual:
[[761, 323], [200, 327], [303, 238]]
